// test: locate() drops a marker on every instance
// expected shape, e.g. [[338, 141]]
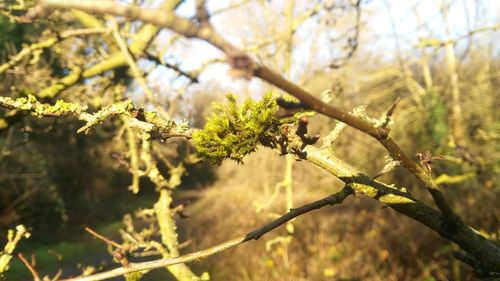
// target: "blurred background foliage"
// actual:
[[56, 181]]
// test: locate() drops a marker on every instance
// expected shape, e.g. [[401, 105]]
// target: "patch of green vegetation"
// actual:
[[434, 129], [80, 249], [235, 131]]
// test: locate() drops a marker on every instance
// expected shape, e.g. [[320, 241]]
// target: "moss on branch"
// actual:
[[234, 131]]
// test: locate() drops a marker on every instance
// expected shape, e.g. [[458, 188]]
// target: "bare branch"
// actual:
[[436, 43], [202, 13], [150, 56], [131, 61], [352, 41], [230, 7], [34, 273], [103, 238]]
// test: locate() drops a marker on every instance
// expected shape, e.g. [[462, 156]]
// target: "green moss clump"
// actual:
[[233, 132]]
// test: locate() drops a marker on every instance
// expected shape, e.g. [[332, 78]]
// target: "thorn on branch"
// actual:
[[388, 118]]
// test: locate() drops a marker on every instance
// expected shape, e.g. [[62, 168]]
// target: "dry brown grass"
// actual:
[[358, 240]]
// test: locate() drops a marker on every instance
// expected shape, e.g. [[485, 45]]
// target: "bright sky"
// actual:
[[464, 15], [412, 19]]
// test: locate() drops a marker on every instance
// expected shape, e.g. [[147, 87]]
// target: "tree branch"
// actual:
[[333, 199], [136, 73], [403, 202], [34, 273], [103, 238], [150, 56], [145, 121], [47, 43]]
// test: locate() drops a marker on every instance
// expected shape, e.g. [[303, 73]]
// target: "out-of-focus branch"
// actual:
[[142, 40], [477, 30], [165, 216], [457, 120], [454, 179], [102, 238], [47, 43], [150, 56], [134, 69], [145, 121], [34, 273], [333, 199], [131, 61], [202, 15], [436, 43], [10, 119], [230, 7], [134, 158], [352, 41]]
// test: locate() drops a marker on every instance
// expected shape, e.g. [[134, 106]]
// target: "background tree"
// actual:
[[95, 63]]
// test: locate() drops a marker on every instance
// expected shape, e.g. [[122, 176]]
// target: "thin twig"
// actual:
[[103, 238], [30, 267], [150, 56], [47, 43], [131, 60], [230, 7]]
